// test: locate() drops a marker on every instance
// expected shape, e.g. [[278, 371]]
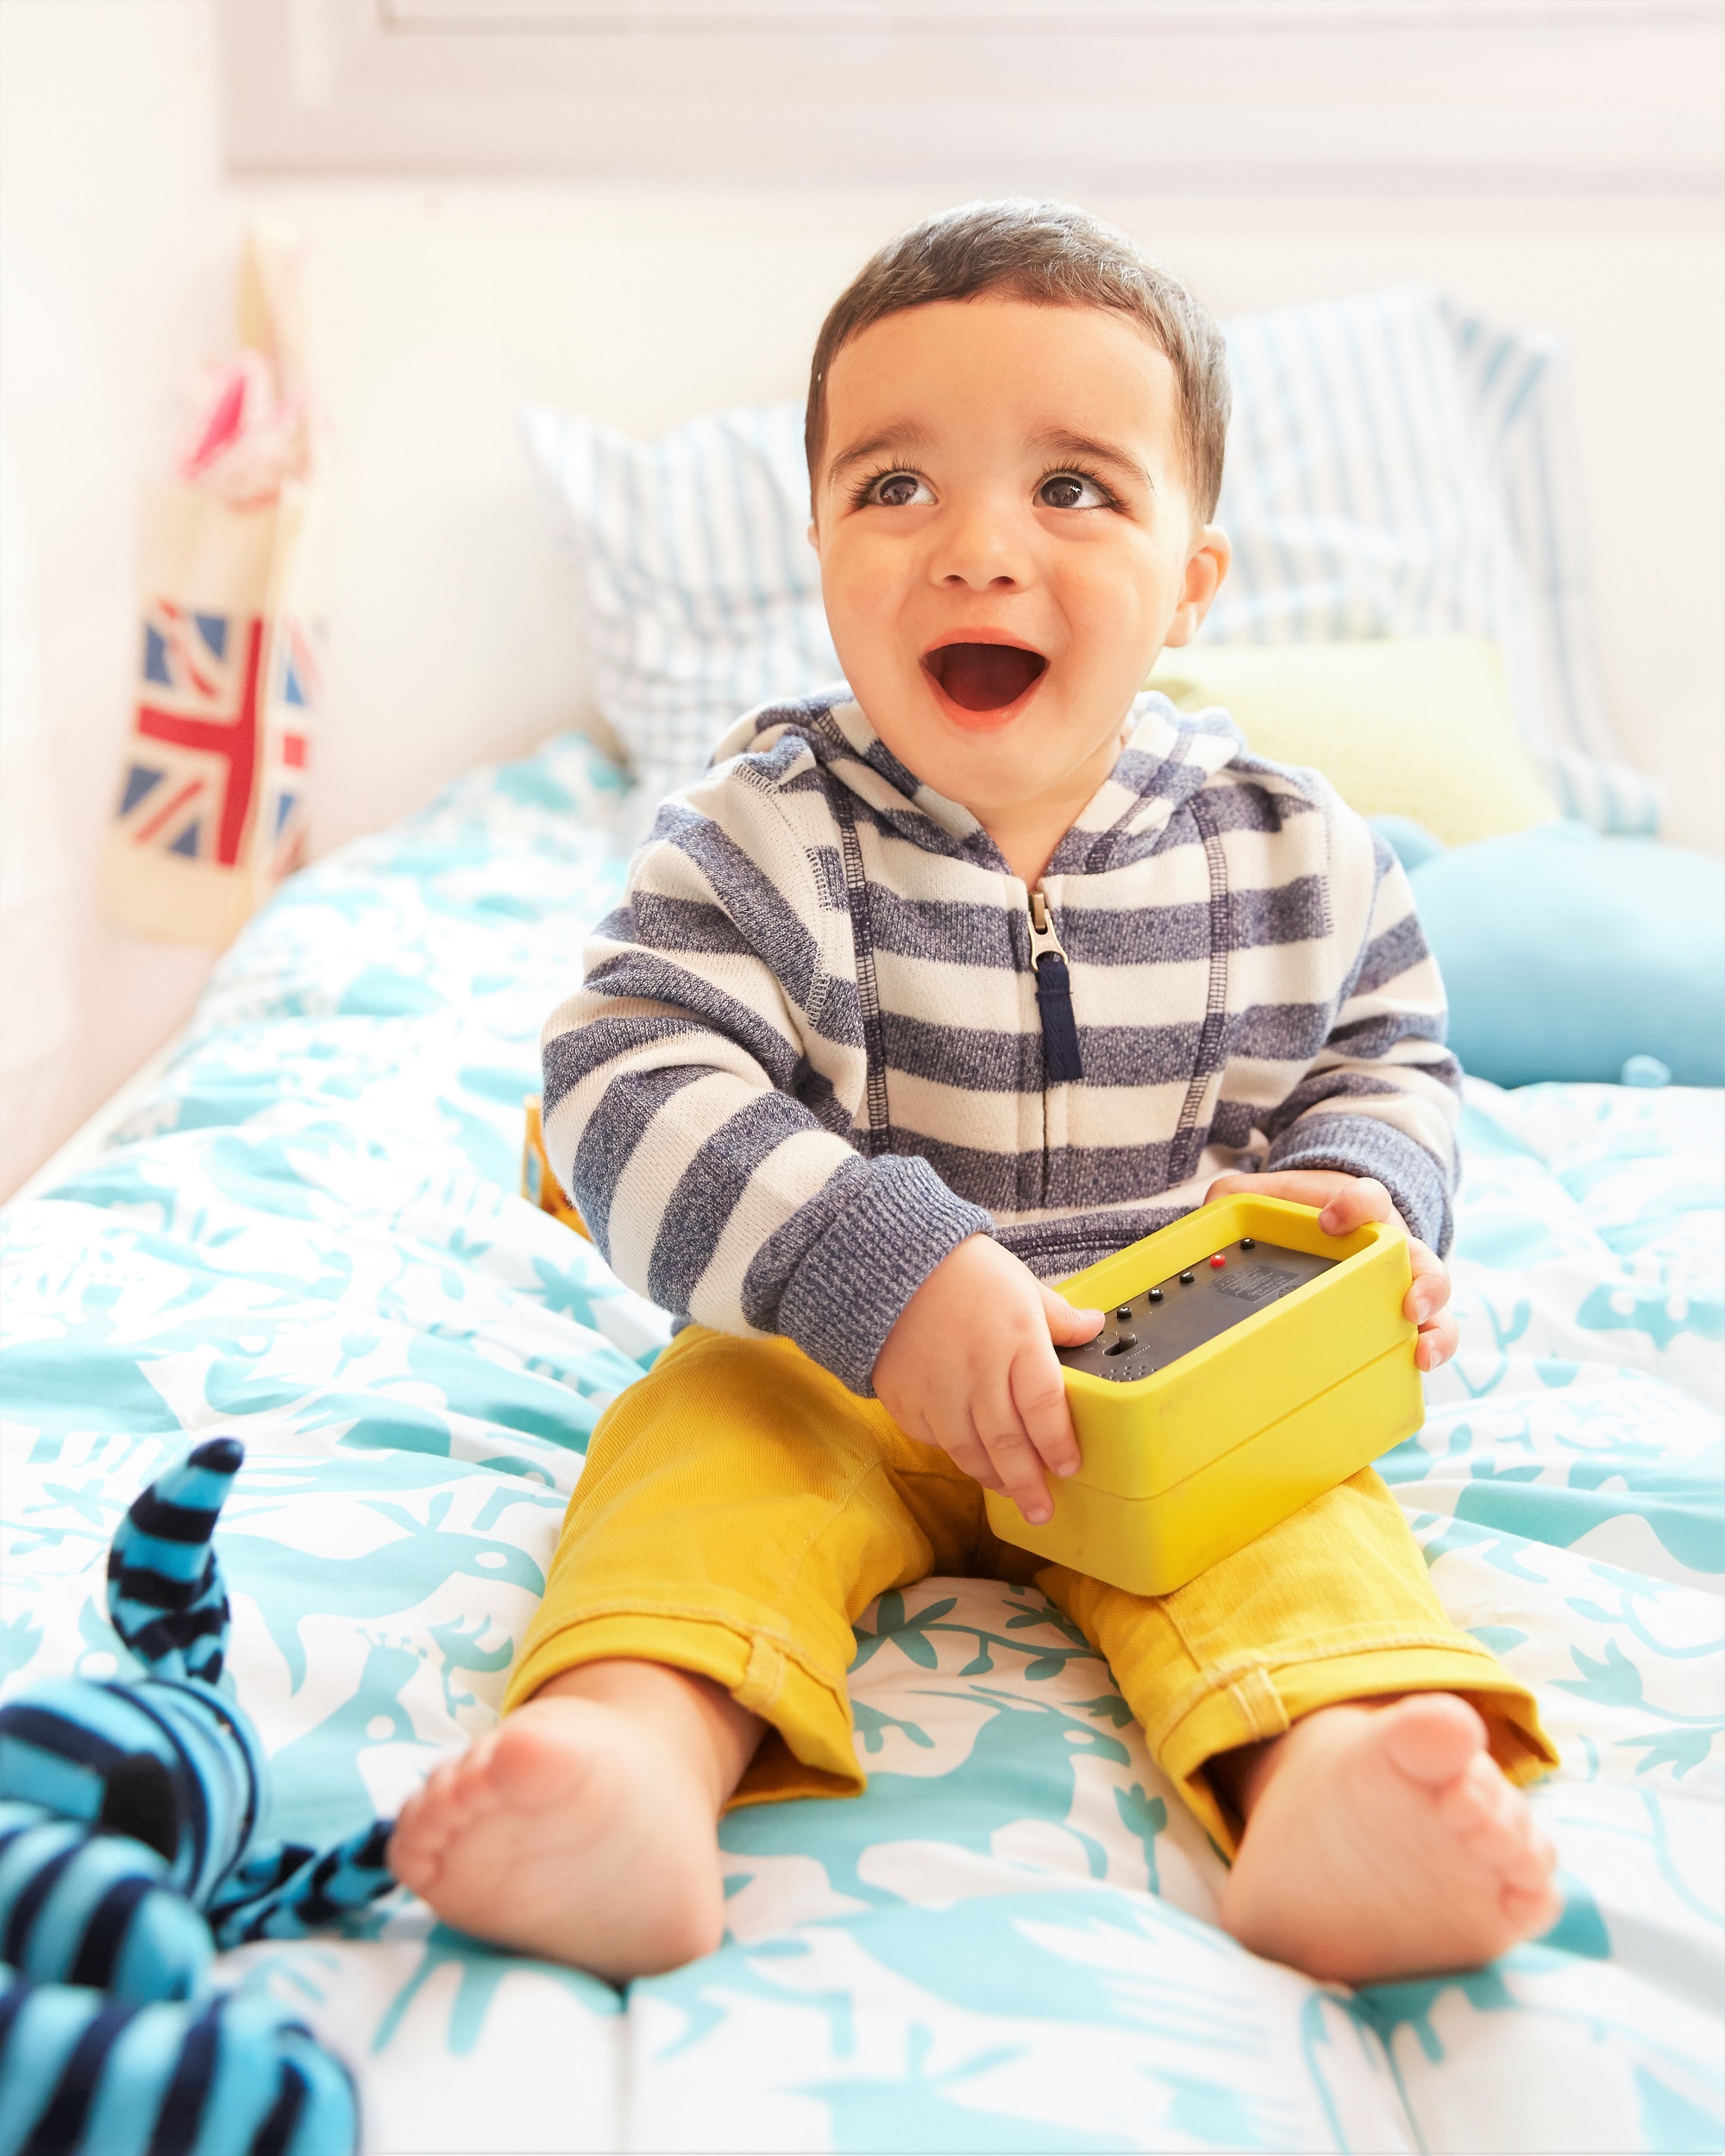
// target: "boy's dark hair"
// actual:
[[1053, 254]]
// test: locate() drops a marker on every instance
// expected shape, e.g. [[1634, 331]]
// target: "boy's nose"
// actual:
[[980, 551]]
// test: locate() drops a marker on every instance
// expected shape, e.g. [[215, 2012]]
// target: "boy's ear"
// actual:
[[1206, 567]]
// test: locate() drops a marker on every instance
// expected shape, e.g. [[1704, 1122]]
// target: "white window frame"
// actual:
[[1319, 97]]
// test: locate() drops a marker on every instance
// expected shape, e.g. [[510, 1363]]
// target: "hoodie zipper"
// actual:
[[1062, 1062]]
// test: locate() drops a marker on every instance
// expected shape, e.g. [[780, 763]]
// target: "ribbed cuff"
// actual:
[[850, 1288], [1361, 1145]]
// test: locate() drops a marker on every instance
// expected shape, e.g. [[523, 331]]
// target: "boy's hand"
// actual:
[[971, 1366], [1348, 1202]]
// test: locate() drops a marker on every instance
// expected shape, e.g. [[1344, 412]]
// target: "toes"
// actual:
[[1494, 1820], [416, 1846], [440, 1786], [422, 1832], [436, 1808], [446, 1805], [1432, 1736], [1482, 1809], [1471, 1807], [1531, 1867], [408, 1860], [1531, 1910], [463, 1779]]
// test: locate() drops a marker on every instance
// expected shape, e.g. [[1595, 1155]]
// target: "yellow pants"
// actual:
[[739, 1509]]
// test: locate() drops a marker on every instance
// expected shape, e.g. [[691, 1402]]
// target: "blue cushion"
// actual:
[[1567, 955]]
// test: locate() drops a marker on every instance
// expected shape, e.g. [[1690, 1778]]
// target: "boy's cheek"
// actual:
[[864, 590], [1125, 590], [857, 556]]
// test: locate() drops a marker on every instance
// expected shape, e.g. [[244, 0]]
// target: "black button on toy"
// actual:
[[1123, 1312], [1156, 1295], [1185, 1280], [1246, 1243]]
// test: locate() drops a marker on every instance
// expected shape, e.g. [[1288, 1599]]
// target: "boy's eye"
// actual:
[[1071, 490], [899, 490]]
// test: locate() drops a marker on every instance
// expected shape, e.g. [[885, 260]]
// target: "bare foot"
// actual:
[[575, 1830], [1385, 1843]]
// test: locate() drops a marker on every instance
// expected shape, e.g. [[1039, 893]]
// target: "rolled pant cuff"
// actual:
[[808, 1750], [1254, 1703]]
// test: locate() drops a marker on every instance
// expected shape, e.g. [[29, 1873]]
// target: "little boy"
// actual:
[[822, 1095]]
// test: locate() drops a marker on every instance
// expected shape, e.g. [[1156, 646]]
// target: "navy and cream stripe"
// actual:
[[1247, 980]]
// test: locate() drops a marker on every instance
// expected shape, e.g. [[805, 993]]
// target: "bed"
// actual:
[[307, 1233]]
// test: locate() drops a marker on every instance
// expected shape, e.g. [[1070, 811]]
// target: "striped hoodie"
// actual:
[[829, 1034]]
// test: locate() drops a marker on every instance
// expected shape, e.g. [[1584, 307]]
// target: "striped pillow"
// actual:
[[1518, 398], [1395, 468], [701, 591]]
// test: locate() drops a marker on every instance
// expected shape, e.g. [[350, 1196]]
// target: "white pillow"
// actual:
[[701, 591], [1391, 473]]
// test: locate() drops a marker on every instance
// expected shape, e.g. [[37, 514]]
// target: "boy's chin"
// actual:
[[981, 722], [986, 772]]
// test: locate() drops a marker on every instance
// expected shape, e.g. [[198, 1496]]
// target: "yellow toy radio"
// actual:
[[1248, 1362]]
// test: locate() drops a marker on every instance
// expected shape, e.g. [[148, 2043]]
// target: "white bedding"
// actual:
[[308, 1237]]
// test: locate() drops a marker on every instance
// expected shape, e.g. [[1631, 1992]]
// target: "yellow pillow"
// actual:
[[1417, 726]]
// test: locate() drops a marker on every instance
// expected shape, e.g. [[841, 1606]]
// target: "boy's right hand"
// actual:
[[971, 1366]]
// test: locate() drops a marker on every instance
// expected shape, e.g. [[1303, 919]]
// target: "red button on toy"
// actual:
[[1218, 1262]]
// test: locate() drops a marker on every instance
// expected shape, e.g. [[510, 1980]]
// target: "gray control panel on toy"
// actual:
[[1182, 1312]]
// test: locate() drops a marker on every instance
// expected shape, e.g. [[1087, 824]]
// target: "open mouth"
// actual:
[[984, 677]]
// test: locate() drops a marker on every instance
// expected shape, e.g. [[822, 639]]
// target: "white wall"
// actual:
[[114, 232], [444, 307]]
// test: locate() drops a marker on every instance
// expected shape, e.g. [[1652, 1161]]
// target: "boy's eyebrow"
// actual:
[[904, 434], [1062, 444]]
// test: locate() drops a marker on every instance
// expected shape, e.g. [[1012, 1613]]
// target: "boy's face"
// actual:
[[1007, 540]]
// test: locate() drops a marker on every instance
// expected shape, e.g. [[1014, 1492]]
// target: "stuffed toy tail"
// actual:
[[165, 1591], [234, 2075]]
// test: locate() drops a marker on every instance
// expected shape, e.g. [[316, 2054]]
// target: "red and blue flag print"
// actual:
[[296, 696], [195, 745]]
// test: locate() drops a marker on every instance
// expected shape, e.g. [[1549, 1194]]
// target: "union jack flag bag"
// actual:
[[211, 811]]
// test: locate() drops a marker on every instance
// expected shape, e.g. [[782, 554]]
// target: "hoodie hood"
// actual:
[[1166, 756]]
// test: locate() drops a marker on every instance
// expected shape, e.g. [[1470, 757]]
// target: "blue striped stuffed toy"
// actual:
[[128, 1817]]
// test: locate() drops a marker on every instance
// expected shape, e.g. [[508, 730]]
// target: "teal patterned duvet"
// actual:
[[310, 1237]]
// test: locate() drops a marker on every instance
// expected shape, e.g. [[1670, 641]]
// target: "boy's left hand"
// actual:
[[1347, 1202]]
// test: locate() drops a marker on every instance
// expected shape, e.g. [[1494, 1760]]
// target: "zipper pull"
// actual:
[[1042, 939], [1062, 1061]]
